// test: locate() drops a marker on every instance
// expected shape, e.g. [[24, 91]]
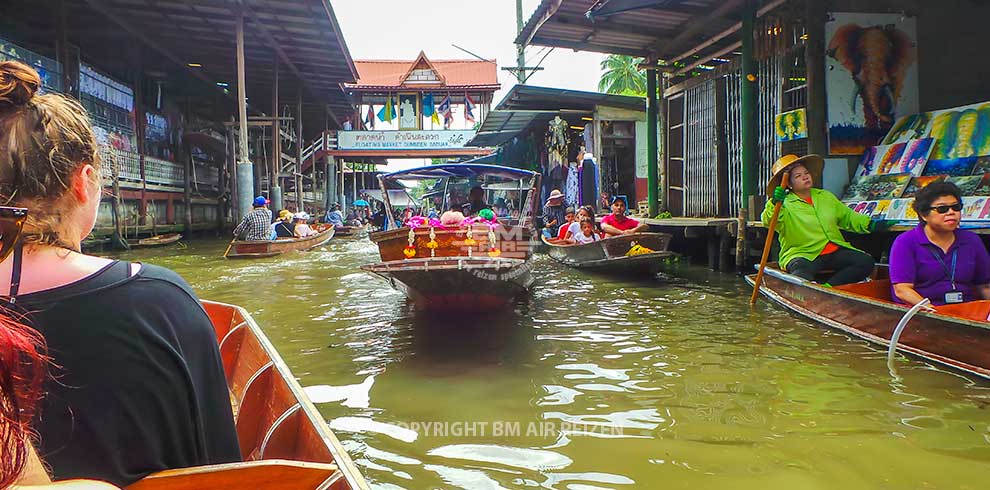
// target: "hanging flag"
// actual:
[[444, 110], [429, 109], [387, 112], [369, 121], [468, 108]]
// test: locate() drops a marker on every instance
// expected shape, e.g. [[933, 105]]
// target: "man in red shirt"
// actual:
[[618, 224]]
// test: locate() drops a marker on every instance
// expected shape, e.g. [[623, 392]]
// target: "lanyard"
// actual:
[[950, 273]]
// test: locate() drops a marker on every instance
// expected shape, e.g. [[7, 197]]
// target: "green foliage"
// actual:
[[664, 215], [622, 76]]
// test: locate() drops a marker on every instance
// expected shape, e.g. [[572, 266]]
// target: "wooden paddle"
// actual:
[[769, 242], [225, 252]]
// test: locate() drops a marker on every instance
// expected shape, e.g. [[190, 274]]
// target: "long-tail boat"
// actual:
[[636, 254], [348, 230], [255, 249], [477, 265], [155, 241], [956, 335], [285, 441]]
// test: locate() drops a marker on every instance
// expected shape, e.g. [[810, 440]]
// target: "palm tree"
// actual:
[[622, 75]]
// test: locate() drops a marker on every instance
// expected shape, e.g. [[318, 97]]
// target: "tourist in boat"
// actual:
[[137, 384], [553, 213], [568, 219], [476, 201], [301, 226], [618, 223], [583, 213], [809, 224], [586, 233], [256, 225], [937, 260], [284, 227], [334, 216]]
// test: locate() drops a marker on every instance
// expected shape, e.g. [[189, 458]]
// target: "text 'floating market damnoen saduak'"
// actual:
[[454, 255]]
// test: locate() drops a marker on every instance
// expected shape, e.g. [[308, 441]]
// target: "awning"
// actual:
[[460, 170], [398, 197]]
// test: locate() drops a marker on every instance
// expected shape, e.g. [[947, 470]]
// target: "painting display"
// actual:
[[871, 77], [959, 132], [917, 183], [791, 125], [877, 187], [953, 166], [915, 156]]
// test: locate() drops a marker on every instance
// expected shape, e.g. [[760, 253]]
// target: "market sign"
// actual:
[[402, 140]]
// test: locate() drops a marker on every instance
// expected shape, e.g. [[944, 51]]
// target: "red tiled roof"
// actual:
[[456, 73]]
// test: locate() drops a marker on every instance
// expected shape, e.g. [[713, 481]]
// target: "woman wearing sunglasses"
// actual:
[[937, 260], [136, 381]]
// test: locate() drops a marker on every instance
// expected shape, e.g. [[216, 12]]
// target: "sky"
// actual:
[[400, 29]]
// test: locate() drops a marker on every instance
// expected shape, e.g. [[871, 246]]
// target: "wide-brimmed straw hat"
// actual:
[[813, 163], [555, 195]]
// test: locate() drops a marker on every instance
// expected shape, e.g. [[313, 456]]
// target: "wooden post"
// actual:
[[814, 55], [651, 138], [245, 169], [187, 190], [299, 149], [140, 128], [742, 252], [273, 175], [664, 196]]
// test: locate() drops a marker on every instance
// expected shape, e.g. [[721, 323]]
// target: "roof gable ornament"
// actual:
[[422, 72]]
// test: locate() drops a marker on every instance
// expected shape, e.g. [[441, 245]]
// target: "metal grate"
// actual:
[[700, 151]]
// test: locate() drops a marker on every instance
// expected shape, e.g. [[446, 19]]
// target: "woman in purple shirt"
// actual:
[[937, 260]]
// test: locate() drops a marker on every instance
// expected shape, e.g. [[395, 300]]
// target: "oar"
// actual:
[[231, 244], [766, 246]]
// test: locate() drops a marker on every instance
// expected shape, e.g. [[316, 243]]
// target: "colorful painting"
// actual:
[[876, 187], [867, 164], [792, 125], [898, 209], [871, 77], [984, 188], [967, 184], [959, 132], [973, 206], [982, 165], [889, 158], [915, 156], [917, 183], [985, 214], [881, 211], [861, 207], [852, 204], [954, 166]]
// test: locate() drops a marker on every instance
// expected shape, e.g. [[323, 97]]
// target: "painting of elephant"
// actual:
[[871, 78]]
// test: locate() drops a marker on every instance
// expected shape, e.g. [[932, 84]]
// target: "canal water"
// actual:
[[598, 383]]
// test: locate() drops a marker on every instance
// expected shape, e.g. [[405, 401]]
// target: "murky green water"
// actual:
[[599, 383]]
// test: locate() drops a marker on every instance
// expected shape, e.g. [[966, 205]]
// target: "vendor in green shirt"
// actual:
[[810, 222]]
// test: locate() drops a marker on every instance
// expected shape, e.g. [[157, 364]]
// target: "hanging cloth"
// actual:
[[572, 186]]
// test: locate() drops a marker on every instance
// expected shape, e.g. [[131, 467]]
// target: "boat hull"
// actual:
[[609, 256], [457, 283], [347, 231], [956, 336], [284, 440], [155, 241], [255, 249]]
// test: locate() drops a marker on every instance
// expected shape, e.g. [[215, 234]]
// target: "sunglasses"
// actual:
[[11, 224], [946, 207]]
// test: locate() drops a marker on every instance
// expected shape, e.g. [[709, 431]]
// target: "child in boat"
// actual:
[[583, 213], [586, 233], [137, 382], [568, 219]]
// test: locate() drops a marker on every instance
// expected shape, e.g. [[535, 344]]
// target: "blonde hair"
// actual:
[[44, 139]]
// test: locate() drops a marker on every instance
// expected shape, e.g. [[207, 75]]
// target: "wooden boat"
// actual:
[[343, 231], [480, 266], [285, 441], [155, 241], [254, 249], [956, 335], [615, 255]]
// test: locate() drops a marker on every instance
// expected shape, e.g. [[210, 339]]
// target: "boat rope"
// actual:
[[892, 348]]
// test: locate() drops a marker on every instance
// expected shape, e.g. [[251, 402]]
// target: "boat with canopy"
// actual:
[[475, 264]]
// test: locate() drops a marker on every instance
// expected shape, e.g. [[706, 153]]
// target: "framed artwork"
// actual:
[[410, 110], [791, 125]]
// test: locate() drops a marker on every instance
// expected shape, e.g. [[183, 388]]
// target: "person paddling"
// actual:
[[810, 223]]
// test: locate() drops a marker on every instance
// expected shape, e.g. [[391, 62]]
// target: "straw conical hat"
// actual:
[[813, 163]]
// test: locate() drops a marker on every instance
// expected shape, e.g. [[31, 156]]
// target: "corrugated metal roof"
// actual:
[[664, 30], [376, 74]]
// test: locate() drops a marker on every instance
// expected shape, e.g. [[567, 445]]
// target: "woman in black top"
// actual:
[[137, 384]]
